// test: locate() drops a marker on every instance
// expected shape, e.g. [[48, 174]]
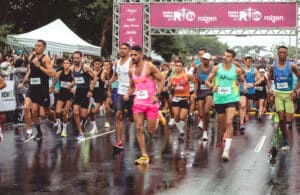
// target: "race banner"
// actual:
[[7, 97], [223, 15], [131, 24]]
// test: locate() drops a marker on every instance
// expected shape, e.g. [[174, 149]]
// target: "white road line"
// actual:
[[260, 143], [99, 135]]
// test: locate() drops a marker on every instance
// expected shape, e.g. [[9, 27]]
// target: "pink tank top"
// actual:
[[145, 87]]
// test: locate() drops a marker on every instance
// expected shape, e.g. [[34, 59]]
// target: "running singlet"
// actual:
[[82, 79], [202, 75], [65, 81], [181, 86], [283, 78], [227, 90], [37, 78], [250, 79], [145, 87], [123, 76], [99, 86]]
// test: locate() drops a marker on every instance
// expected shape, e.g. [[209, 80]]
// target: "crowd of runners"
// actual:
[[170, 94]]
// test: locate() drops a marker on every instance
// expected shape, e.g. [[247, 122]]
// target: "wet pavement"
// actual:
[[64, 166]]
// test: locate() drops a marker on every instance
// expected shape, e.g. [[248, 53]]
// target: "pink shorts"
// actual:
[[151, 110]]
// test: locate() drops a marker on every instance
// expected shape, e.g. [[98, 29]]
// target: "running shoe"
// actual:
[[38, 136], [56, 123], [119, 145], [106, 126], [171, 122], [94, 130], [58, 131], [181, 136], [80, 137], [1, 137], [205, 136], [242, 127], [200, 125], [63, 134], [225, 155], [143, 160]]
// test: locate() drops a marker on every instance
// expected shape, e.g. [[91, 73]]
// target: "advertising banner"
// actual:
[[223, 15], [131, 24], [7, 97]]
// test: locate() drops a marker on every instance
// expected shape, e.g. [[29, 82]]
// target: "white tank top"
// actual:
[[123, 76]]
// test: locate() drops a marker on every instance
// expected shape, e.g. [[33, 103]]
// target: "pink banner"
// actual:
[[223, 15], [131, 24]]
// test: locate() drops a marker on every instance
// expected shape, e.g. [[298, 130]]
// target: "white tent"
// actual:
[[59, 39]]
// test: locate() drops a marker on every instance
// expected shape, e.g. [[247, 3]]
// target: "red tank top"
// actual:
[[181, 86]]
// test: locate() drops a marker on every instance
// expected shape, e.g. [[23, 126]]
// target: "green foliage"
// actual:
[[5, 29]]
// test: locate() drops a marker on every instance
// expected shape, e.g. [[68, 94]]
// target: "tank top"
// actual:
[[261, 88], [181, 86], [228, 90], [201, 74], [37, 78], [65, 80], [283, 78], [145, 87], [123, 76], [250, 79], [82, 79]]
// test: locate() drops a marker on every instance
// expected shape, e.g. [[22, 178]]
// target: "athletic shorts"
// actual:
[[39, 96], [260, 95], [220, 108], [81, 98], [283, 102], [99, 97], [150, 110], [242, 93], [181, 104], [203, 93], [164, 95], [122, 105], [65, 96], [250, 96]]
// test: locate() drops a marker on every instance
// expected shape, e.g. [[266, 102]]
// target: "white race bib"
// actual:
[[65, 84], [176, 99], [249, 85], [178, 87], [141, 95], [224, 90], [35, 81], [259, 88], [203, 87], [79, 80], [97, 84], [282, 85]]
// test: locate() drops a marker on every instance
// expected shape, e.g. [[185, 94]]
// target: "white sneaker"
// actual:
[[225, 155], [205, 136], [171, 122], [56, 123], [200, 125], [58, 131], [94, 130], [106, 126], [29, 132]]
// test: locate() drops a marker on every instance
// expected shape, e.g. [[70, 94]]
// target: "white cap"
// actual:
[[206, 56]]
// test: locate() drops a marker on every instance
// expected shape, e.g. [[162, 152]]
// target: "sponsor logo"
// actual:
[[180, 15]]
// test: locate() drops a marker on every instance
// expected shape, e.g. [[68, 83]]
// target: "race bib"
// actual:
[[141, 95], [203, 87], [179, 87], [249, 85], [97, 84], [282, 85], [35, 81], [65, 84], [176, 99], [224, 90], [259, 88], [79, 80]]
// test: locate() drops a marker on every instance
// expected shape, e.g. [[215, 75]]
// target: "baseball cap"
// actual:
[[206, 56]]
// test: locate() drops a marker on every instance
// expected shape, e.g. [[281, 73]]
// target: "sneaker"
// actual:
[[1, 137], [119, 145], [242, 127], [94, 130], [171, 122], [225, 155], [204, 136], [38, 136], [80, 137], [200, 125], [190, 118], [29, 132], [58, 131], [56, 123], [106, 126], [181, 136], [143, 160], [63, 134]]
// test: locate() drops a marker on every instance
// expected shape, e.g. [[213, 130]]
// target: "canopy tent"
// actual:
[[59, 39]]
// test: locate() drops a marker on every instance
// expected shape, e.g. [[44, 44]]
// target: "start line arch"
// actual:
[[135, 21]]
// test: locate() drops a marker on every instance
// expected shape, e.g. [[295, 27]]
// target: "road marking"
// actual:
[[99, 135], [260, 143]]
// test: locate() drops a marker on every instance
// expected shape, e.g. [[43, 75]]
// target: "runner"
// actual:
[[260, 91], [226, 94], [122, 70], [65, 96], [180, 103], [198, 61], [82, 74], [204, 95], [143, 77], [282, 73]]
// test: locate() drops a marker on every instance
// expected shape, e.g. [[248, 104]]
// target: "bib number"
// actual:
[[97, 84], [203, 87], [224, 90], [79, 80], [65, 84], [35, 81], [259, 88], [176, 99], [141, 95], [282, 85]]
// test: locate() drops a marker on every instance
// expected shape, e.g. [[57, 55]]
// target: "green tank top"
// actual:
[[228, 90]]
